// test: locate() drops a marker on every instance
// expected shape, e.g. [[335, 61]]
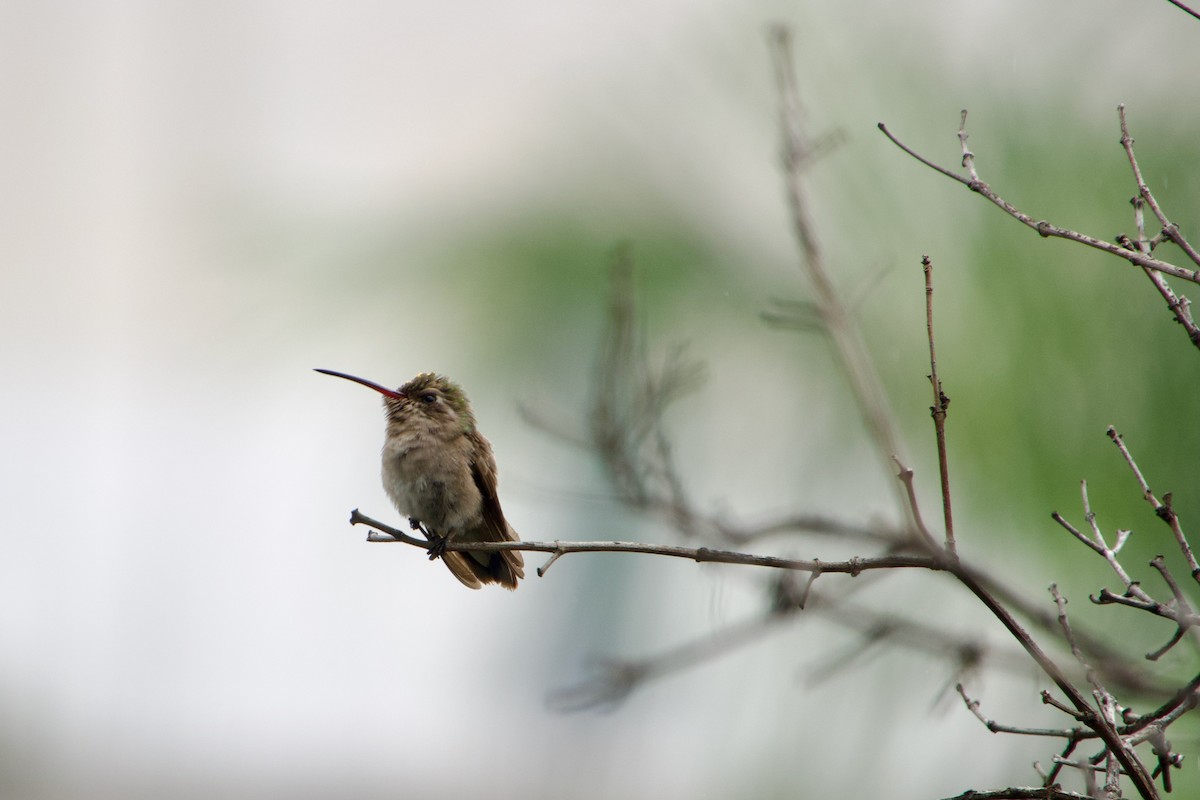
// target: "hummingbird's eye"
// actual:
[[428, 397]]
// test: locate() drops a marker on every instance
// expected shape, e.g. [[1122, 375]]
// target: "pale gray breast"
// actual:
[[432, 482]]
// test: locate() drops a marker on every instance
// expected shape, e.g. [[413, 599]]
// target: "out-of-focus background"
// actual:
[[201, 201]]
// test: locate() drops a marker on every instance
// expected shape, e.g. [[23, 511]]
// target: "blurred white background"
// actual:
[[202, 201]]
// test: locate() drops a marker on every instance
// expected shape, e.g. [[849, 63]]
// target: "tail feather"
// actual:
[[464, 568], [504, 567]]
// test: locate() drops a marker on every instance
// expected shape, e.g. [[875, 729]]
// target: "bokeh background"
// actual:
[[201, 201]]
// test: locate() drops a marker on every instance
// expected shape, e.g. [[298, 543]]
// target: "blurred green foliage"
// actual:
[[1042, 344]]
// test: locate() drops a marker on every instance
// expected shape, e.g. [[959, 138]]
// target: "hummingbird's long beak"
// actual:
[[383, 390]]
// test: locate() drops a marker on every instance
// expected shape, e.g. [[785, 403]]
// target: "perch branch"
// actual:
[[853, 566]]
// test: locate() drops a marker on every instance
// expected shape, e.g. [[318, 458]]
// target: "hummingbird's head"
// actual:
[[433, 399], [436, 398]]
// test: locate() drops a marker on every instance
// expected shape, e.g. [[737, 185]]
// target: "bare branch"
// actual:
[[1044, 228], [914, 507], [1036, 793], [1060, 603], [940, 401], [1099, 545], [1184, 8], [1181, 602], [1073, 734], [1051, 778], [865, 384], [1184, 700], [1179, 306], [968, 158], [1164, 510], [1170, 230], [541, 571], [853, 566]]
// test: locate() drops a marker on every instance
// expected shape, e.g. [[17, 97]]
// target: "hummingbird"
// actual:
[[439, 471]]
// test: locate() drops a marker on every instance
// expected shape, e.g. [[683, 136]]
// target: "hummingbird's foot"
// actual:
[[437, 545], [419, 526]]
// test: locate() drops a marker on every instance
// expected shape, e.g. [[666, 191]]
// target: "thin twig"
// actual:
[[1181, 602], [1098, 544], [1170, 229], [968, 158], [798, 153], [1164, 610], [1060, 603], [940, 401], [1045, 228], [905, 475], [1181, 607], [1179, 306], [1176, 638], [1051, 778], [1104, 698], [1184, 700], [1051, 700], [1163, 509], [541, 571], [1119, 441], [1184, 8], [1074, 734]]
